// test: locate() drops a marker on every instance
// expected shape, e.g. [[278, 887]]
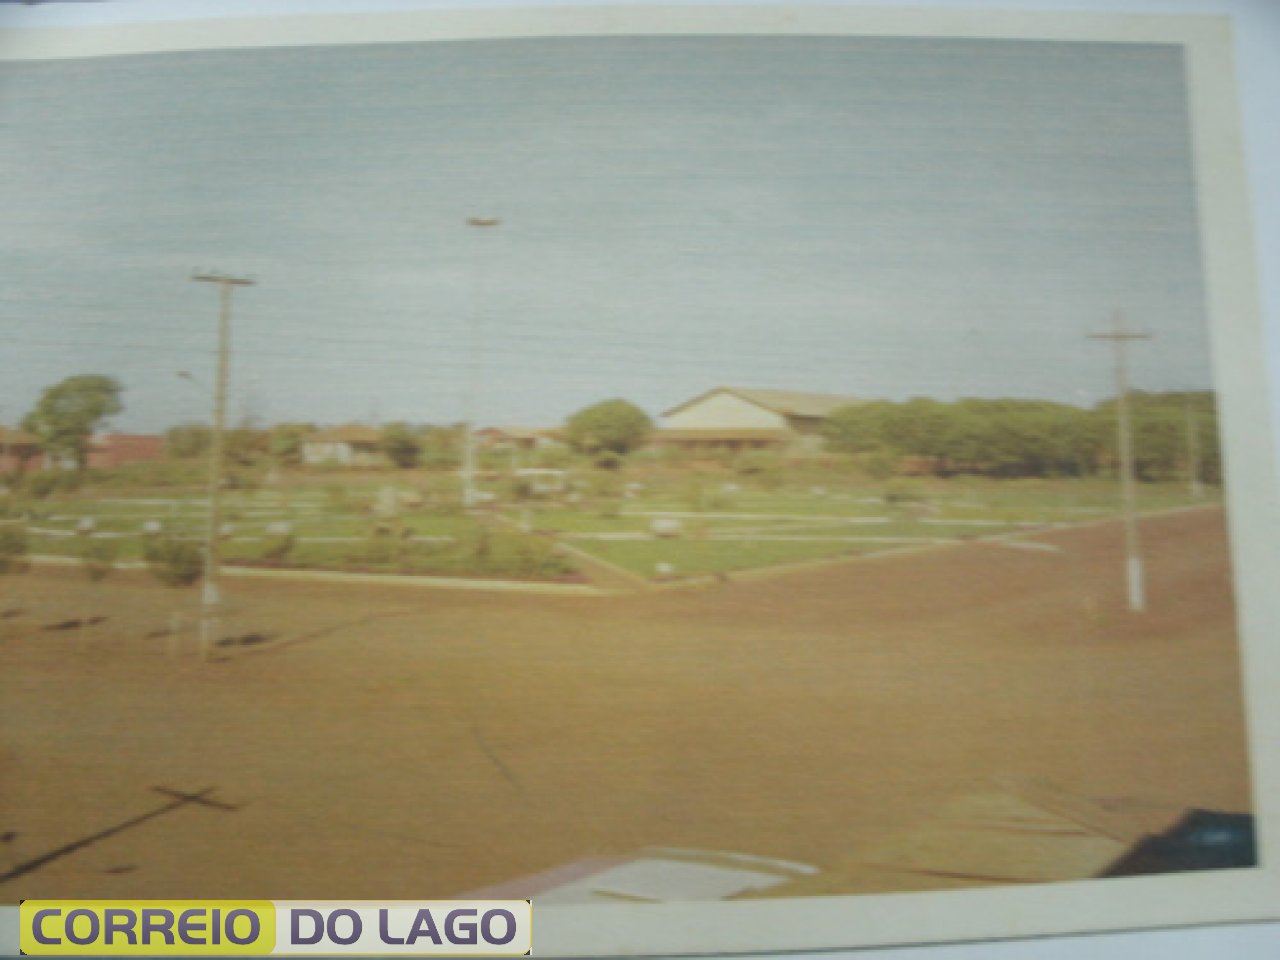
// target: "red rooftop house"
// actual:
[[119, 449]]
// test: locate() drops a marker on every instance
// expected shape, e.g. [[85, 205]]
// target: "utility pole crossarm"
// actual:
[[1118, 336], [223, 278]]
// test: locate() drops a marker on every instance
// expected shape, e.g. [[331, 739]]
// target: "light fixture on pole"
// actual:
[[210, 597]]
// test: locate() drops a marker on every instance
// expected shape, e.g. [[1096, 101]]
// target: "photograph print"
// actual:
[[620, 469]]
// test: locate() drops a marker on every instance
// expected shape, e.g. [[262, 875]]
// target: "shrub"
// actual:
[[879, 464], [607, 460], [175, 563], [150, 474], [98, 557], [277, 547], [13, 547], [482, 546], [377, 550], [901, 492], [245, 480], [762, 466], [553, 456], [604, 485], [519, 490], [695, 494], [755, 462], [42, 484], [717, 500], [533, 557], [338, 499]]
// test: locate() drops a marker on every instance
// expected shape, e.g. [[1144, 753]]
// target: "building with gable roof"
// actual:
[[736, 419]]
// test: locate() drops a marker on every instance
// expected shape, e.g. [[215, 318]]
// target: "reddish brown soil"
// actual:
[[397, 742]]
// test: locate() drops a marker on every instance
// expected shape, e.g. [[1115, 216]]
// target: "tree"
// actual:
[[1004, 437], [245, 445], [69, 412], [441, 445], [616, 426], [1162, 449], [860, 428], [401, 444], [187, 440], [285, 444]]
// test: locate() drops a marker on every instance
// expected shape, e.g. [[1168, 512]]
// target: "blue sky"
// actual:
[[877, 217]]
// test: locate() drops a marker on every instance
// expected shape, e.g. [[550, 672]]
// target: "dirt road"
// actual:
[[394, 743]]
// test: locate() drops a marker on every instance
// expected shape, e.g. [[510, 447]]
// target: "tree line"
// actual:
[[988, 437], [1030, 438], [604, 431]]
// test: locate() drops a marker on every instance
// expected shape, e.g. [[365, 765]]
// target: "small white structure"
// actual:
[[543, 481], [666, 527], [518, 438], [352, 445]]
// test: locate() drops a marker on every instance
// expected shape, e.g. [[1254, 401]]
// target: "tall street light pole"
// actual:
[[482, 224], [210, 597], [1120, 338]]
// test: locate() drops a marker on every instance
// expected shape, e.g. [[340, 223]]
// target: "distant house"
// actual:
[[735, 419], [352, 445], [518, 438], [19, 451], [118, 449]]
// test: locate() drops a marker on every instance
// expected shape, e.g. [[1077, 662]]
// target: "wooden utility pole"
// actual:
[[210, 597], [469, 498], [1119, 338]]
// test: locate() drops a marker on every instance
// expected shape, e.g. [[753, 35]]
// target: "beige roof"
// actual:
[[356, 433], [789, 403]]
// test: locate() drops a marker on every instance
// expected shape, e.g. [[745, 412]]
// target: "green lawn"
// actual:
[[723, 526], [689, 558]]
